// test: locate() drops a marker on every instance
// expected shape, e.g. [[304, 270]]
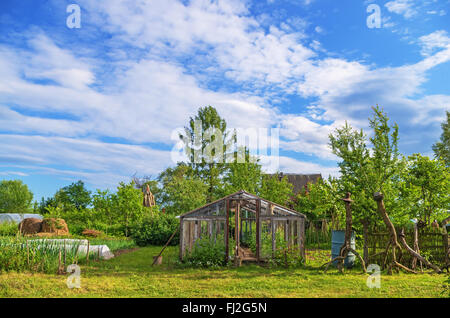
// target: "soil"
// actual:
[[125, 251]]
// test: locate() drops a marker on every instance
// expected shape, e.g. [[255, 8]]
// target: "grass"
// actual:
[[131, 275]]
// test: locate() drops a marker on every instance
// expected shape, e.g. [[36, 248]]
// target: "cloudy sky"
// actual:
[[102, 102]]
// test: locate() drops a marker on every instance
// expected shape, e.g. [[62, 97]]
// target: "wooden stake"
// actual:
[[258, 229], [28, 256], [65, 253], [59, 262], [227, 230], [87, 255], [274, 238]]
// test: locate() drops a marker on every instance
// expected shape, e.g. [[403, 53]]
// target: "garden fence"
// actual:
[[433, 245]]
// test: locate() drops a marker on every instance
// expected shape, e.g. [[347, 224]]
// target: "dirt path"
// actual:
[[125, 251]]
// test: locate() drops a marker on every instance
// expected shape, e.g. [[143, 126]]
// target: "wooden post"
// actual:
[[216, 229], [299, 236], [181, 239], [274, 238], [286, 237], [210, 229], [288, 234], [237, 228], [446, 244], [291, 234], [196, 226], [191, 235], [415, 247], [87, 255], [303, 237], [258, 230], [65, 253], [365, 223], [59, 263], [28, 255], [227, 230], [76, 255]]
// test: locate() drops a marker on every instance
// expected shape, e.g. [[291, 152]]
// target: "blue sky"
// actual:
[[102, 102]]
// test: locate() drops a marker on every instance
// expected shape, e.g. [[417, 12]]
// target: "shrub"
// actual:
[[287, 258], [207, 253], [155, 229], [8, 229]]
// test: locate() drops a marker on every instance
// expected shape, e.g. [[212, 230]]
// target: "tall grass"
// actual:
[[47, 255], [21, 254]]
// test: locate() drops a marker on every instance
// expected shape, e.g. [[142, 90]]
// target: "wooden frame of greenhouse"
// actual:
[[251, 228]]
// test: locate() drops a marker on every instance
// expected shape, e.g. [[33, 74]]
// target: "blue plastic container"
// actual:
[[337, 240]]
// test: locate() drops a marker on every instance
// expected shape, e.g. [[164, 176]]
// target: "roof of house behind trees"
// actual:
[[300, 180]]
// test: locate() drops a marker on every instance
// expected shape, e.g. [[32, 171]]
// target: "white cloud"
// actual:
[[13, 173], [149, 96], [290, 165], [232, 41], [101, 164], [303, 135], [436, 40], [150, 100], [402, 7]]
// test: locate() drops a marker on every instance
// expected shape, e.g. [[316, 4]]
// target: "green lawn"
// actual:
[[131, 275]]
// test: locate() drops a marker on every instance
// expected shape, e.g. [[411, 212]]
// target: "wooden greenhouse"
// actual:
[[251, 228]]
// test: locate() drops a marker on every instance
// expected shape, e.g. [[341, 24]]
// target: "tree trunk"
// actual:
[[346, 247], [416, 247], [382, 210], [394, 244], [365, 223]]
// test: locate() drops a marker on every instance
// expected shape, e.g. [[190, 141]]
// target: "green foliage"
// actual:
[[181, 190], [424, 188], [128, 205], [35, 256], [288, 258], [207, 253], [276, 190], [244, 175], [15, 197], [206, 142], [43, 255], [442, 148], [74, 195], [112, 213], [364, 171], [155, 230], [8, 229], [283, 257], [322, 201], [104, 207]]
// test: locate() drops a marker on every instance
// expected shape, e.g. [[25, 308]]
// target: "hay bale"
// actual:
[[30, 226], [55, 226], [92, 233]]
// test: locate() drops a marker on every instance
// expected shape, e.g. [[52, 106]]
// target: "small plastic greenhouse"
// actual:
[[17, 218], [252, 228]]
